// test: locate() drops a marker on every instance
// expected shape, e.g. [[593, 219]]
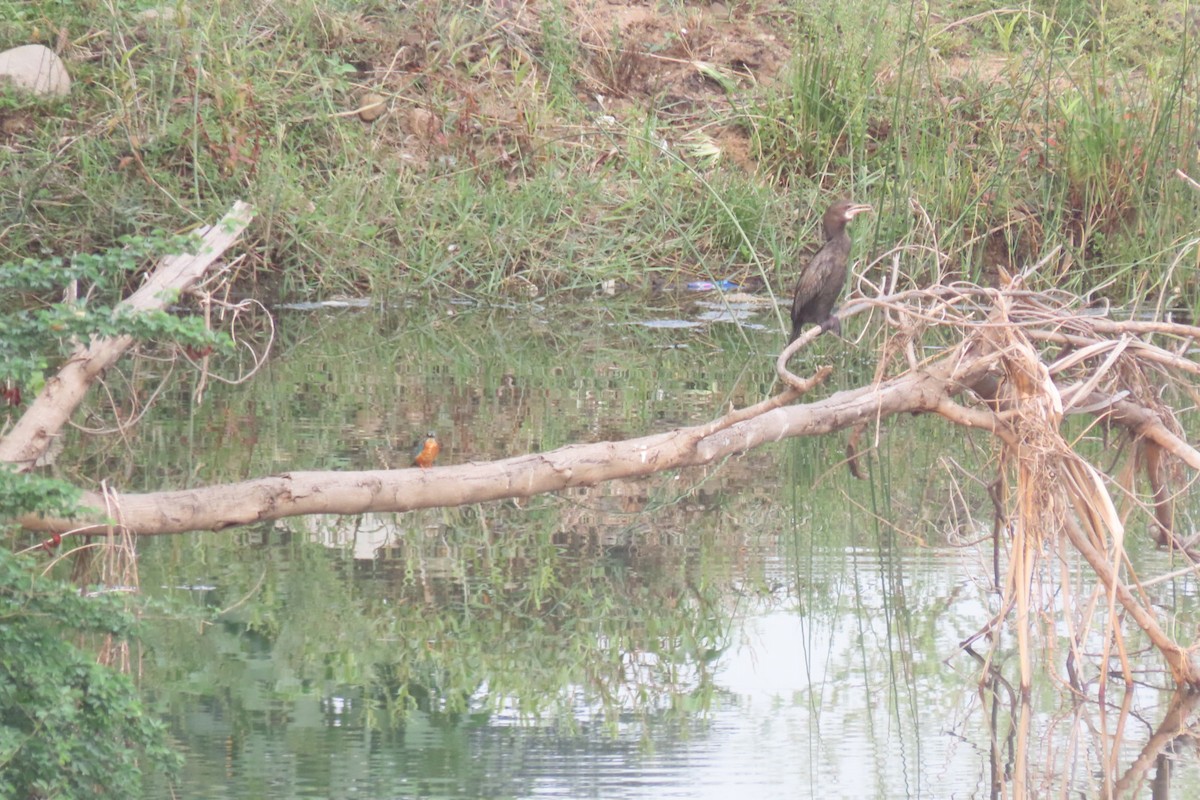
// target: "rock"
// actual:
[[420, 122], [162, 14], [36, 69], [371, 107]]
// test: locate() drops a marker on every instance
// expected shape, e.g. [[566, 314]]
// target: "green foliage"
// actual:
[[1015, 130], [21, 492], [801, 129], [816, 122], [559, 53], [37, 333], [69, 728]]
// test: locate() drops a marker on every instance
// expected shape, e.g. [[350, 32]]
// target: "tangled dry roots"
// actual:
[[1020, 363]]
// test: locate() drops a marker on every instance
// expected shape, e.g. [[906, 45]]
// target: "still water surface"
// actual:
[[764, 628]]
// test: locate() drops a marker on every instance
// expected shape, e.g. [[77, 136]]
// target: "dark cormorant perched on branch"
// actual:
[[823, 278]]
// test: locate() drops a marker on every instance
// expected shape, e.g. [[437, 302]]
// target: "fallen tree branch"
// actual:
[[329, 492], [1178, 659], [49, 412], [1143, 422]]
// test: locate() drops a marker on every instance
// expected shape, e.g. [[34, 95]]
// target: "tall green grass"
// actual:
[[537, 156]]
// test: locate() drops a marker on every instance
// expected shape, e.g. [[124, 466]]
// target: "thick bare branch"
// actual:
[[1143, 422], [48, 413], [296, 493]]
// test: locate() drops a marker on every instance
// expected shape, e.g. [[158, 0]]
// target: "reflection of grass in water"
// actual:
[[541, 602], [535, 619], [355, 389], [576, 580]]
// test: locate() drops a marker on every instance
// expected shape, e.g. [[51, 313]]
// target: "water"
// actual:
[[755, 628], [848, 700]]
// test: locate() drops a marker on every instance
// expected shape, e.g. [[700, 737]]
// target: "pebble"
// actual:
[[371, 107]]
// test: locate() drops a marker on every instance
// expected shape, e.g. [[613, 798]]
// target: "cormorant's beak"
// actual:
[[856, 209]]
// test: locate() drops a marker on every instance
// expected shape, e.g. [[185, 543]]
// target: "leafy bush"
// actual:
[[36, 333], [68, 727]]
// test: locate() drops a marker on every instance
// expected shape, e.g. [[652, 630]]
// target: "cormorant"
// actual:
[[823, 278]]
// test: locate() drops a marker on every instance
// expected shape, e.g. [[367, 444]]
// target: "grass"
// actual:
[[560, 147]]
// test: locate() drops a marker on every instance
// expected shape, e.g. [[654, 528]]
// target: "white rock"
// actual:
[[163, 14], [35, 68]]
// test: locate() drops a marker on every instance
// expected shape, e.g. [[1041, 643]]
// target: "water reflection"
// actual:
[[822, 685], [750, 628]]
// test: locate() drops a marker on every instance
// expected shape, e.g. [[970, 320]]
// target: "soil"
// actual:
[[635, 56]]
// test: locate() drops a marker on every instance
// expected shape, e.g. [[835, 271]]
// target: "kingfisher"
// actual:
[[425, 451]]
